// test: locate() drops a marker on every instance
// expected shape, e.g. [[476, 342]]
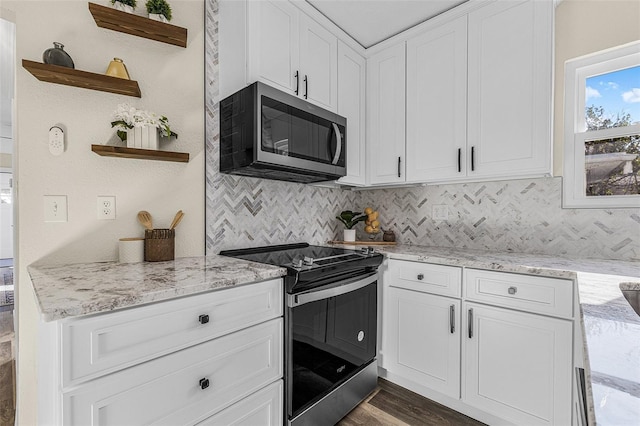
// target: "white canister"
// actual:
[[131, 250]]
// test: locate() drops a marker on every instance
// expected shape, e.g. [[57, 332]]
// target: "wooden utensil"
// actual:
[[144, 217], [176, 220]]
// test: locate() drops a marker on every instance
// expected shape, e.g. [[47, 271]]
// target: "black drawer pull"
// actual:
[[203, 319], [204, 383], [420, 277]]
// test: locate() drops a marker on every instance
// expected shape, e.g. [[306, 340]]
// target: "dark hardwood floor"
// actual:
[[392, 405]]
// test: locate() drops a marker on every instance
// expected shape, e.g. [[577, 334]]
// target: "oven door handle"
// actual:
[[348, 286]]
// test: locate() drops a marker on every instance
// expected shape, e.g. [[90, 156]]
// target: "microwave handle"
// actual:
[[336, 157]]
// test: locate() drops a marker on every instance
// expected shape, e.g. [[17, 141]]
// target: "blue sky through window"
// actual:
[[617, 92]]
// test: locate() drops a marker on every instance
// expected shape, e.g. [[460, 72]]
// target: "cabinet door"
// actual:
[[318, 64], [510, 70], [351, 104], [386, 116], [437, 103], [423, 337], [517, 365], [272, 55]]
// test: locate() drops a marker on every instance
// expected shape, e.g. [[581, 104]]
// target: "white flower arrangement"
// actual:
[[126, 117]]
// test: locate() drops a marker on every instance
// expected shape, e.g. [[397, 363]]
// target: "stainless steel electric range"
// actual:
[[330, 327]]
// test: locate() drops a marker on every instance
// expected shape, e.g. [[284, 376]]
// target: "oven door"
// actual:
[[332, 336]]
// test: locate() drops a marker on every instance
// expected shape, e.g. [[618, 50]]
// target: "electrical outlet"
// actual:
[[440, 212], [106, 208]]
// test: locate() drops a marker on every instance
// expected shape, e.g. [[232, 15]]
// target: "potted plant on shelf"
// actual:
[[350, 219], [159, 10], [124, 5], [140, 128]]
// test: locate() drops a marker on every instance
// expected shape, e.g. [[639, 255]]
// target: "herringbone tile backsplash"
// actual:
[[519, 215]]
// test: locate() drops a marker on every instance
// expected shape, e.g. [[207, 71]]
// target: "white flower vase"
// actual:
[[143, 138], [158, 17], [123, 7], [349, 235]]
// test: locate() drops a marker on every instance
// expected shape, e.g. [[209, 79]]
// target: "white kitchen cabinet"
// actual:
[[386, 116], [351, 104], [173, 362], [510, 89], [517, 365], [423, 339], [437, 103], [288, 50]]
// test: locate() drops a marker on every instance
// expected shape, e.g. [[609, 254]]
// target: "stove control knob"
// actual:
[[308, 261], [371, 250], [297, 263], [364, 250]]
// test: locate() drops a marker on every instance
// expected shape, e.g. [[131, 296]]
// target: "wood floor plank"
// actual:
[[393, 405]]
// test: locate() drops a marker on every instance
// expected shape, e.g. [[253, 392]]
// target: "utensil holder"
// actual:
[[159, 245]]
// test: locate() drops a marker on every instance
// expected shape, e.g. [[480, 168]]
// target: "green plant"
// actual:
[[160, 7], [131, 3], [350, 219]]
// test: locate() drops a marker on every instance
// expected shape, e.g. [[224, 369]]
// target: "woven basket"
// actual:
[[159, 245]]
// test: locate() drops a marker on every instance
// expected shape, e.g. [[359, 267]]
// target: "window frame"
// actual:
[[576, 72]]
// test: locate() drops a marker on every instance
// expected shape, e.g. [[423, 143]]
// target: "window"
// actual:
[[602, 129]]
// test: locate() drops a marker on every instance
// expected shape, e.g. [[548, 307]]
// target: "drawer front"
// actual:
[[263, 408], [426, 277], [542, 295], [171, 390], [101, 344]]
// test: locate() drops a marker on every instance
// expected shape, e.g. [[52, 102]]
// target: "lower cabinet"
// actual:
[[480, 353], [223, 366], [517, 366], [424, 339]]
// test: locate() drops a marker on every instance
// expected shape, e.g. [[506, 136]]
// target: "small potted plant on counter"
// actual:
[[159, 10], [124, 5], [350, 219], [140, 128]]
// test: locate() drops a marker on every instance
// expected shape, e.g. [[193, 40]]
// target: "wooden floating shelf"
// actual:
[[128, 23], [86, 80], [140, 154]]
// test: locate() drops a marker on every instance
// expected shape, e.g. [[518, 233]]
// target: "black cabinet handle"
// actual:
[[297, 82], [203, 319], [306, 86], [452, 318], [204, 383], [473, 158], [420, 277], [459, 160], [470, 323], [399, 161]]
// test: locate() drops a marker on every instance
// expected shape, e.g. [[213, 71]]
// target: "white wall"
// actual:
[[584, 27], [171, 80]]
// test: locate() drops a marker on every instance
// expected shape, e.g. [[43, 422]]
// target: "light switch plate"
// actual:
[[55, 208]]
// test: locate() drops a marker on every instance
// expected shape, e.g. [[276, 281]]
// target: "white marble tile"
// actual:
[[71, 290]]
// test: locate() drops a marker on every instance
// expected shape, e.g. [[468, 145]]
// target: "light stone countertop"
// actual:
[[64, 291], [611, 327]]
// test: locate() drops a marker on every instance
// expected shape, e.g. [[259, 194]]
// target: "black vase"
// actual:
[[57, 56]]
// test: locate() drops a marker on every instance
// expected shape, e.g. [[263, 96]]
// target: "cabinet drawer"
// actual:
[[101, 344], [425, 277], [543, 295], [170, 390], [263, 408]]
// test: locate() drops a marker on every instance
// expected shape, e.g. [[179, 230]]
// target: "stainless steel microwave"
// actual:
[[270, 134]]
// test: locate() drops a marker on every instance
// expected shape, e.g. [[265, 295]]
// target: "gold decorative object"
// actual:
[[117, 69]]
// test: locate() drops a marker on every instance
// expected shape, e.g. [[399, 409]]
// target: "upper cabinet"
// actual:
[[386, 116], [351, 104], [510, 89], [276, 43], [437, 103]]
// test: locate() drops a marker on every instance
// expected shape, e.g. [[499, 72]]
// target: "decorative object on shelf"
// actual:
[[159, 10], [124, 5], [372, 224], [350, 219], [117, 68], [388, 236], [140, 128], [57, 56]]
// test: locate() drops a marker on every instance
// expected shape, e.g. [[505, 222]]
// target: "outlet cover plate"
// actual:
[[106, 207]]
